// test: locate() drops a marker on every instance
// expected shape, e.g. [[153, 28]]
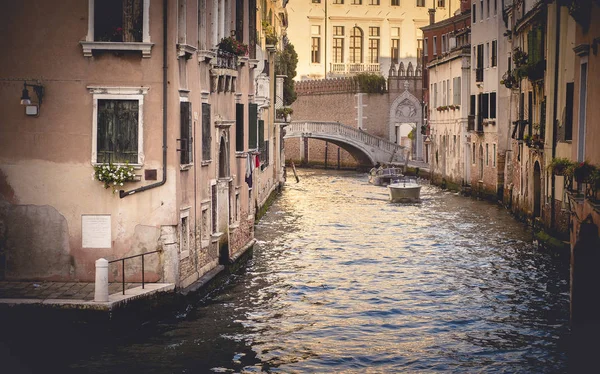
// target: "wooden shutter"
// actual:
[[569, 111], [185, 142], [252, 126], [472, 107], [252, 27], [492, 105], [206, 132], [117, 131], [239, 127], [486, 105], [261, 137]]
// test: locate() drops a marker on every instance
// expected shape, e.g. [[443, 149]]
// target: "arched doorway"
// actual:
[[537, 189]]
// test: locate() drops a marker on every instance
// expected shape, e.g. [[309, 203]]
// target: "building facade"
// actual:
[[173, 97], [336, 38], [446, 84]]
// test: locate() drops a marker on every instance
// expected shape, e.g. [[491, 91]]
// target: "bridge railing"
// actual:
[[336, 128]]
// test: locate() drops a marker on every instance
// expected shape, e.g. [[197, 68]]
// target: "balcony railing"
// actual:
[[479, 75], [226, 60], [353, 68]]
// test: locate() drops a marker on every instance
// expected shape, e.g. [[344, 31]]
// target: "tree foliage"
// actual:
[[286, 63], [370, 83]]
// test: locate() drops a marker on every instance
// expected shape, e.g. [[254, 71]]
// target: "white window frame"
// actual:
[[145, 46], [118, 93], [184, 252]]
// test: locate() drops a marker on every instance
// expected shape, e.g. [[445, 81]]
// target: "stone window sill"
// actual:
[[89, 47]]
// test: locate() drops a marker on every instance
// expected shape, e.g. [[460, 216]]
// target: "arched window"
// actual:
[[223, 159], [356, 41]]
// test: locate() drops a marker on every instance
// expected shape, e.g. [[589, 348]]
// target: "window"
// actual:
[[472, 106], [444, 39], [444, 97], [356, 2], [485, 107], [488, 8], [117, 126], [395, 44], [253, 126], [419, 50], [474, 11], [395, 3], [356, 45], [206, 132], [456, 90], [315, 48], [494, 53], [315, 52], [494, 155], [441, 3], [487, 55], [474, 153], [338, 44], [421, 3], [338, 1], [373, 2], [373, 45], [425, 47], [316, 1], [185, 142], [114, 22], [435, 45], [239, 127], [583, 70], [492, 105], [481, 10], [495, 7], [184, 232], [569, 111], [435, 95], [487, 154]]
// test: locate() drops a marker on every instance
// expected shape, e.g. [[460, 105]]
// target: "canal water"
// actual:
[[342, 280]]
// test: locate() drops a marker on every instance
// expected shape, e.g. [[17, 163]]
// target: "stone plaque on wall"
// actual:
[[96, 231]]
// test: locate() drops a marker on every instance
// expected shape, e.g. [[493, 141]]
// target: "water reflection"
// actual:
[[344, 281]]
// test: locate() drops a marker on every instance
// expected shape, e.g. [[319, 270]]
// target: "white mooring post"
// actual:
[[101, 286]]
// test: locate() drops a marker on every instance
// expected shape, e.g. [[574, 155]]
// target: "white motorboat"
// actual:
[[384, 176], [405, 189]]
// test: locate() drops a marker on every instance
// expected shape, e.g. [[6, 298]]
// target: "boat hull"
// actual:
[[404, 192]]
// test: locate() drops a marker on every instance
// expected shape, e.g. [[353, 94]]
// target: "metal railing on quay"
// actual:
[[128, 258]]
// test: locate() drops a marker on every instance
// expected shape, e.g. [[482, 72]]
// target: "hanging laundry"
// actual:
[[249, 170]]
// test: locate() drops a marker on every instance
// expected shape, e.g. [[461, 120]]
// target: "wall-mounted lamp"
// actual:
[[37, 88]]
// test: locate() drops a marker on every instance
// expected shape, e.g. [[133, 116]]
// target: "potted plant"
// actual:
[[561, 166], [270, 34], [232, 45], [112, 175], [583, 171], [284, 113]]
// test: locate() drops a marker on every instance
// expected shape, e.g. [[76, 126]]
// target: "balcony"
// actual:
[[479, 75], [479, 122], [226, 60], [471, 123], [353, 68]]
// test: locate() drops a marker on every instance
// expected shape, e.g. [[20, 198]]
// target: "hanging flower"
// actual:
[[113, 175]]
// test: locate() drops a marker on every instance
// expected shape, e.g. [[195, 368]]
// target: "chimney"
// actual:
[[431, 16], [465, 6]]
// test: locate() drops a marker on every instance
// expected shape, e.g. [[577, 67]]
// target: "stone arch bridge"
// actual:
[[367, 149]]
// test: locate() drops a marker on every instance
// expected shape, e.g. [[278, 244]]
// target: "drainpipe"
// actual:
[[554, 110], [122, 193]]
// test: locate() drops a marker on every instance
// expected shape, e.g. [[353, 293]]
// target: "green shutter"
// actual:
[[252, 126], [239, 127], [206, 135]]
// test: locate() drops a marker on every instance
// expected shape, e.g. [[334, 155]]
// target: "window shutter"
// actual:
[[206, 135], [185, 143], [569, 111], [261, 133], [472, 107], [486, 106], [252, 125], [239, 127], [492, 105]]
